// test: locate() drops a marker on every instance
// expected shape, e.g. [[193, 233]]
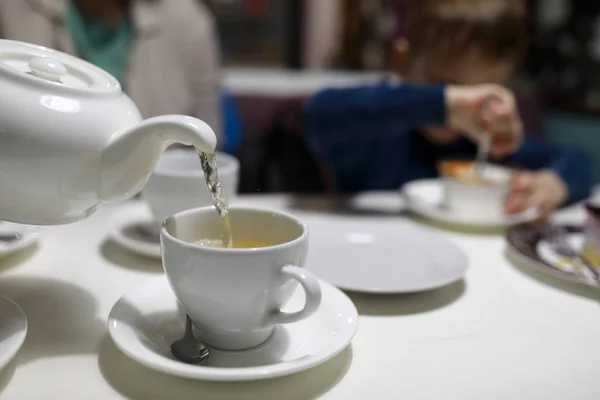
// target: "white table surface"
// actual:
[[502, 333]]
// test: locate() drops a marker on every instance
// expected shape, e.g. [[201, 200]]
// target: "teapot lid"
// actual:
[[53, 70]]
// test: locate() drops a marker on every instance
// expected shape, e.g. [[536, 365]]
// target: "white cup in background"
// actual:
[[177, 183], [234, 296]]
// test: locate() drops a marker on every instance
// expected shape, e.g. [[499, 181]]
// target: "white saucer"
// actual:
[[135, 235], [29, 236], [13, 330], [424, 197], [145, 321], [392, 256], [389, 202]]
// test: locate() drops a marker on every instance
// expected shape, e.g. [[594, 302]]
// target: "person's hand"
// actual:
[[490, 108], [544, 190]]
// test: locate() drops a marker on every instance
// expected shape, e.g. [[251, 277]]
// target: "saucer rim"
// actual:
[[539, 264], [12, 352], [28, 239], [422, 289], [175, 368], [446, 217], [134, 246]]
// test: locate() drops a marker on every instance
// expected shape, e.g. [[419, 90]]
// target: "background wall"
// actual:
[[322, 31], [576, 129]]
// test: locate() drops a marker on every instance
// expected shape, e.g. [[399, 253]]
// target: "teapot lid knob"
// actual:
[[47, 68]]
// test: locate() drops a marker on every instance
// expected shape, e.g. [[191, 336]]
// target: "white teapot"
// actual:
[[70, 139]]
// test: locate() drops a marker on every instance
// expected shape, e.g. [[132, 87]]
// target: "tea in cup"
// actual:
[[234, 295], [470, 193], [177, 183]]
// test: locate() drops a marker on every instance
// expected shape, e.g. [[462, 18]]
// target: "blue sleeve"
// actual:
[[572, 165], [411, 105], [355, 129]]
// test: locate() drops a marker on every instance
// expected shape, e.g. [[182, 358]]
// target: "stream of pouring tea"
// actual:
[[211, 175]]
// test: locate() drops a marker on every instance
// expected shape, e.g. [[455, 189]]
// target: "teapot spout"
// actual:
[[130, 156]]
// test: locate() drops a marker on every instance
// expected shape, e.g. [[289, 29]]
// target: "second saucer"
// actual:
[[176, 184]]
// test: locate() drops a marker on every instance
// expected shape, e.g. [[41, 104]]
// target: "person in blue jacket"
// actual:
[[454, 58]]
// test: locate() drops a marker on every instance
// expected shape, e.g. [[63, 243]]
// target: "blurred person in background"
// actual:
[[164, 53], [454, 58]]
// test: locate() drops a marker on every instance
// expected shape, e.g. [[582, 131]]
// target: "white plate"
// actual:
[[425, 197], [144, 322], [29, 236], [13, 330], [383, 256], [134, 234]]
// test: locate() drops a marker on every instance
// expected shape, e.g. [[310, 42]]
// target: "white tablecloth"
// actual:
[[502, 333]]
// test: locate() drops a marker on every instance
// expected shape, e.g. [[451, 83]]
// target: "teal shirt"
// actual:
[[108, 48], [104, 46]]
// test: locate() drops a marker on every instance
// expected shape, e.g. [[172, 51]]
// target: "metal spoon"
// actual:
[[485, 141], [483, 151], [10, 237], [188, 349], [144, 233], [559, 242]]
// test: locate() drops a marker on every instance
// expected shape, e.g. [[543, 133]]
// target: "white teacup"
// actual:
[[482, 195], [234, 296], [177, 183]]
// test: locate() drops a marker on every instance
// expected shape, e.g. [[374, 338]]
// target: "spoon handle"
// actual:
[[485, 140], [9, 237], [188, 326], [483, 151]]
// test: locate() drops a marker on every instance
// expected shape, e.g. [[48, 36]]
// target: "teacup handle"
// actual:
[[312, 289]]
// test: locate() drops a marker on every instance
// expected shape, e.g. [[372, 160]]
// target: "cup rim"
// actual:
[[454, 179], [281, 246], [487, 185], [230, 164]]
